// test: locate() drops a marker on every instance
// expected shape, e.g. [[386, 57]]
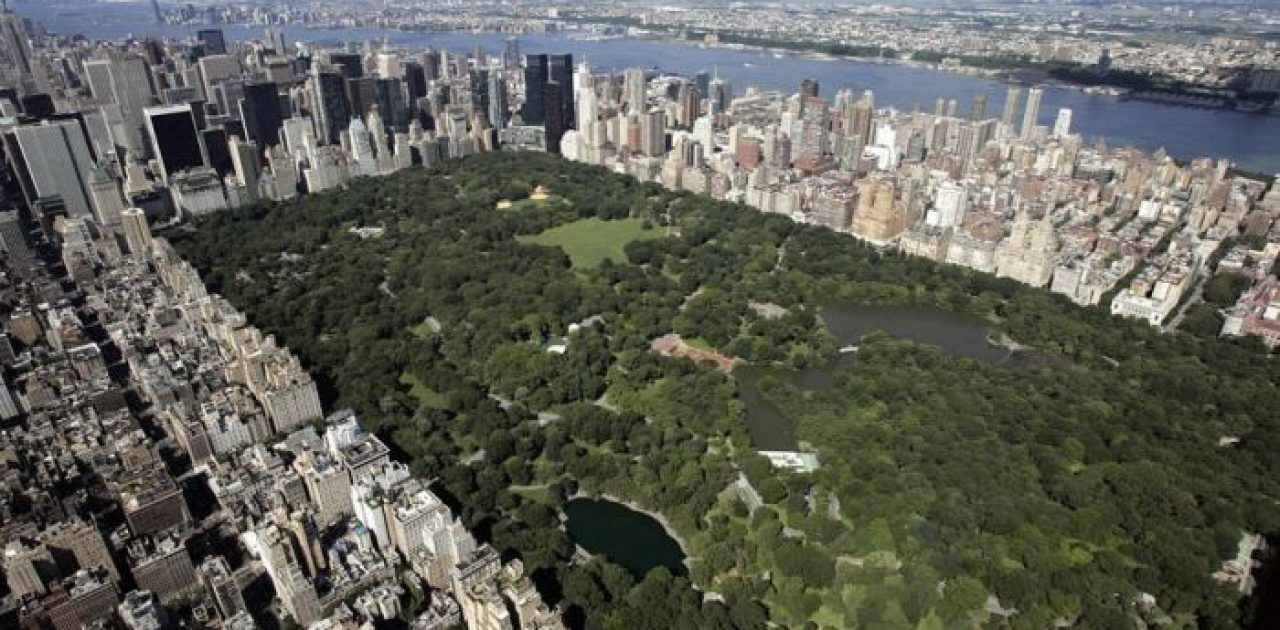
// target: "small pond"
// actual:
[[632, 539]]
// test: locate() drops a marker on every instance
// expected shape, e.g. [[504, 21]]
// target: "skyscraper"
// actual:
[[215, 69], [155, 6], [809, 88], [217, 154], [978, 110], [552, 93], [561, 73], [28, 567], [653, 137], [53, 159], [137, 235], [585, 123], [688, 105], [162, 566], [15, 51], [391, 106], [213, 41], [260, 112], [245, 158], [720, 95], [133, 91], [431, 65], [858, 124], [362, 93], [14, 241], [497, 90], [329, 92], [215, 573], [1011, 97], [1062, 125], [703, 82], [174, 138], [511, 53], [415, 83], [634, 88], [349, 64], [97, 75], [276, 37], [1031, 117], [535, 82], [480, 91]]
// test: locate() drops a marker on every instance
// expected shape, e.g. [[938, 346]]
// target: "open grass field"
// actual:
[[425, 395], [589, 241]]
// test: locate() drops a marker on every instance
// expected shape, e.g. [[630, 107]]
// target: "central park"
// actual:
[[503, 345]]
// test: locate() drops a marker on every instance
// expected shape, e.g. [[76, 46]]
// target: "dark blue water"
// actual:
[[1247, 139], [629, 538]]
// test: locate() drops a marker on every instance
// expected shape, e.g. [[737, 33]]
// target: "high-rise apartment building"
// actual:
[[221, 583], [1062, 124], [978, 110], [161, 566], [77, 544], [137, 235], [1031, 117], [653, 135], [808, 88], [81, 600], [28, 567], [1010, 114], [635, 88], [152, 502]]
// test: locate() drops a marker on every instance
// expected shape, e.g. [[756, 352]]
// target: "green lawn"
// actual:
[[590, 241], [537, 493], [426, 396], [536, 203]]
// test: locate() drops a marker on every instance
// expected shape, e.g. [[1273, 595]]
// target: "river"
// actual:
[[630, 538], [1247, 139]]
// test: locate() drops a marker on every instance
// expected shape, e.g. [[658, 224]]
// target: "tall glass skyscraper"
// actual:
[[535, 84]]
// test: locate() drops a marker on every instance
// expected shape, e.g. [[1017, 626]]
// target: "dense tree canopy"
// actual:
[[950, 491]]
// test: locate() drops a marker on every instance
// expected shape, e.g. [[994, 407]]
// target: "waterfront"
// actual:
[[628, 537], [1186, 132]]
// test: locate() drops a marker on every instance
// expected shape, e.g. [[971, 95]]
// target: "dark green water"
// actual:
[[958, 335], [627, 537]]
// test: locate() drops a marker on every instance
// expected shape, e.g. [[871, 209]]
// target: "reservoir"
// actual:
[[958, 335], [632, 539], [1185, 132]]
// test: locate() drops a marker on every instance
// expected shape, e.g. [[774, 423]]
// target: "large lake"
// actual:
[[627, 537], [959, 335], [1248, 139]]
